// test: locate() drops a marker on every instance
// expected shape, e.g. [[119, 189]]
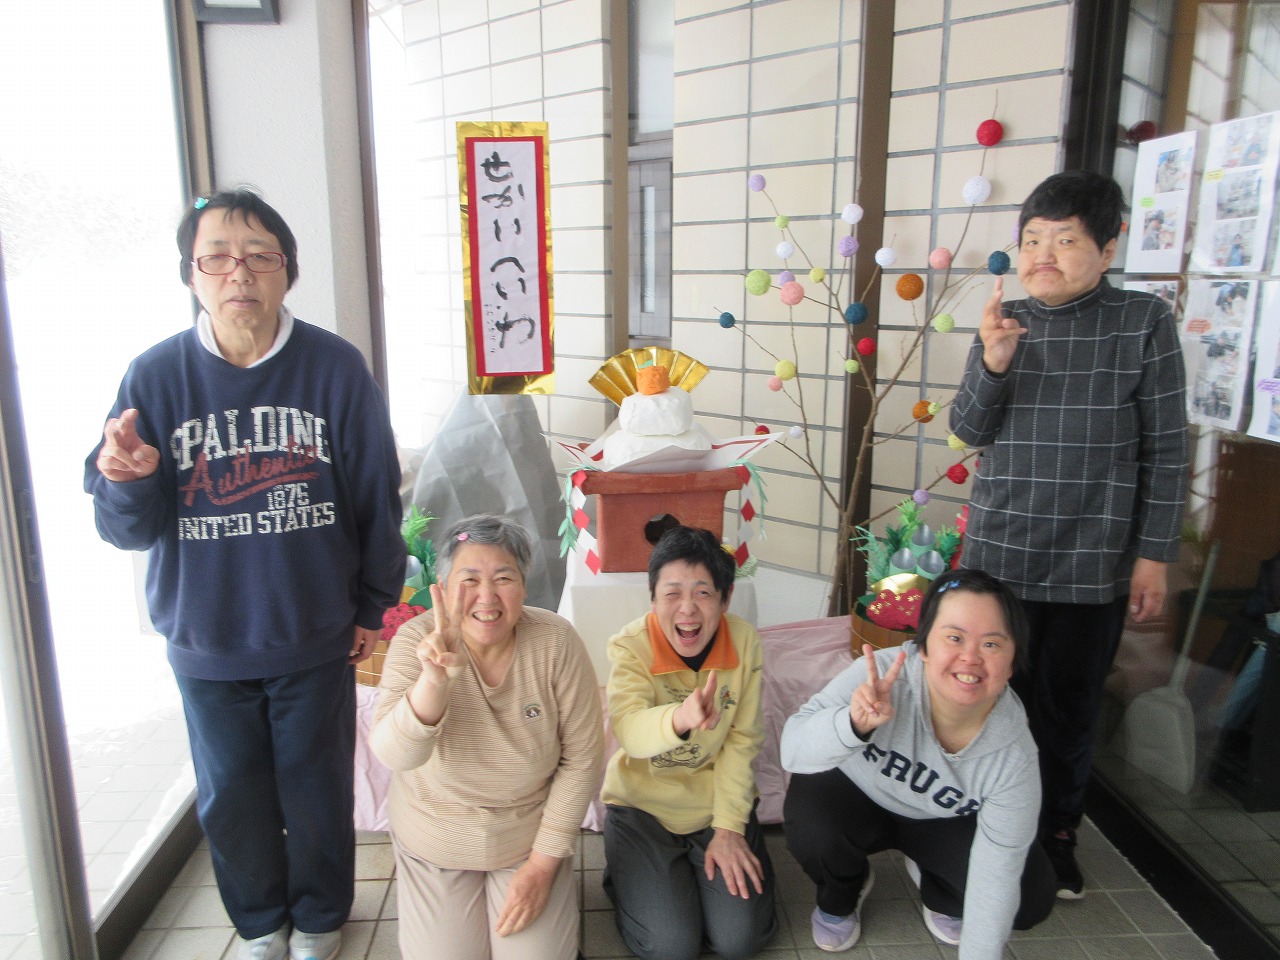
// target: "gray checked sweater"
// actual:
[[902, 767], [1084, 465]]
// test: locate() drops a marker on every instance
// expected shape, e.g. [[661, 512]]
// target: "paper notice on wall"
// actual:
[[1216, 332], [1161, 204], [1265, 423], [1166, 290], [1236, 193]]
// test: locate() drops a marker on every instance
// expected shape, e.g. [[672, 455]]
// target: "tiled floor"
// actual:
[[1119, 918]]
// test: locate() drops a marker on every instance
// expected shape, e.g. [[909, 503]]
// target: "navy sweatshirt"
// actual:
[[273, 520]]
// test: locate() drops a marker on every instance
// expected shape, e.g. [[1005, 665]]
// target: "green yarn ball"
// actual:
[[944, 323], [757, 283]]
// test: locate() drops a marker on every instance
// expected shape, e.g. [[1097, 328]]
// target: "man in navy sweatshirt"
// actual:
[[252, 457]]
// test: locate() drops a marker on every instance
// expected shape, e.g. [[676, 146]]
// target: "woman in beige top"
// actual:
[[489, 716]]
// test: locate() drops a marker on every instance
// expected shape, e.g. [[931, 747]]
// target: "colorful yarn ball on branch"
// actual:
[[791, 293], [920, 411], [855, 313], [817, 274], [755, 182], [851, 213], [727, 320], [784, 369], [998, 263], [940, 259], [990, 132], [774, 384], [910, 286], [785, 249], [957, 473], [852, 366], [921, 497], [795, 432], [866, 346], [886, 257], [934, 407], [847, 246], [781, 222], [954, 442], [786, 276], [761, 429], [758, 283], [944, 323], [976, 190]]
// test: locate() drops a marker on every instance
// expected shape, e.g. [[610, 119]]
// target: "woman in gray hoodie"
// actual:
[[924, 748]]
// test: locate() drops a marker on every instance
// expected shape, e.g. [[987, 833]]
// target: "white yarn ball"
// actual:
[[886, 257], [976, 190], [785, 249], [851, 213]]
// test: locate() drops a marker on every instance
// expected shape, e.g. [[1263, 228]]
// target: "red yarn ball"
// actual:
[[866, 346], [761, 429], [990, 132], [1140, 132], [957, 473]]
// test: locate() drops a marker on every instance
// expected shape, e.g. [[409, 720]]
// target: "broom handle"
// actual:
[[1184, 664]]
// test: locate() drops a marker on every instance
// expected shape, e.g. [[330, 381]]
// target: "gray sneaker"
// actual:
[[314, 946], [273, 946]]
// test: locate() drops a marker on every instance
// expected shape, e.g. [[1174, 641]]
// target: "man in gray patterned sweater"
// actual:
[[1076, 395]]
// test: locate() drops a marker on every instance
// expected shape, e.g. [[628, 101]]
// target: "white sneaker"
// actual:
[[943, 927], [273, 946], [314, 946]]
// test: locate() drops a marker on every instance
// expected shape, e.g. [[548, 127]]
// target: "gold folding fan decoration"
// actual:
[[617, 378]]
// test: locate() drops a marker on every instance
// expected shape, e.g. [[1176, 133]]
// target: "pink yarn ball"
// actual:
[[774, 384], [940, 259], [792, 293]]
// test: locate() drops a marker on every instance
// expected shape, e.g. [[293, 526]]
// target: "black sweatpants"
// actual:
[[832, 827]]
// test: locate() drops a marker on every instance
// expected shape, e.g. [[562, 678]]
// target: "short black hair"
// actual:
[[244, 204], [1097, 200], [982, 583], [693, 545]]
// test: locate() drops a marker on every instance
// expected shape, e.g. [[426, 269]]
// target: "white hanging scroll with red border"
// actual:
[[506, 239]]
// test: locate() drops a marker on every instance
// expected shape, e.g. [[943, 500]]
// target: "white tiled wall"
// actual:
[[791, 115], [769, 86], [501, 60]]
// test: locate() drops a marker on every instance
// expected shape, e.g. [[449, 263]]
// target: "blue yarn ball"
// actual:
[[855, 313], [998, 263], [726, 320]]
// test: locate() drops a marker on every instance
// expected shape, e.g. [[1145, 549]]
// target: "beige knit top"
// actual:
[[508, 769]]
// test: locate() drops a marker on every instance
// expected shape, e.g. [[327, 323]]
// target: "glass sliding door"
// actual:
[[89, 197]]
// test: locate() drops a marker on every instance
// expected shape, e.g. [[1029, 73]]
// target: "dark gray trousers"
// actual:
[[665, 905]]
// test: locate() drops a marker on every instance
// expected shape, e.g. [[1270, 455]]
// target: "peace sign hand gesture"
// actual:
[[440, 651], [871, 705]]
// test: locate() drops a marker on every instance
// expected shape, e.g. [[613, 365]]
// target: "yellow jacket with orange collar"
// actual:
[[706, 778]]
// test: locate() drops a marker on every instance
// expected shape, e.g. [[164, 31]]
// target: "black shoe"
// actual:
[[1061, 847]]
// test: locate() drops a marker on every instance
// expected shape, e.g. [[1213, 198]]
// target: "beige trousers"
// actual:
[[450, 914]]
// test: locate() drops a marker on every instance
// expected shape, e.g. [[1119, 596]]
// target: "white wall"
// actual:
[[282, 105]]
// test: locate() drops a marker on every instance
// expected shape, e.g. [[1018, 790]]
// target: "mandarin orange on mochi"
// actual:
[[652, 379]]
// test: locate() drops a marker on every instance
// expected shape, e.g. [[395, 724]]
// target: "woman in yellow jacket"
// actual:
[[685, 856]]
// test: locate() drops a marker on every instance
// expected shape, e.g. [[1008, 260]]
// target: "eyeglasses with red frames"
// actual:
[[220, 264]]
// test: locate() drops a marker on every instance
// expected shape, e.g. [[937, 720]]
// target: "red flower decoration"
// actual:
[[895, 611], [990, 132], [396, 617], [957, 473], [866, 346]]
